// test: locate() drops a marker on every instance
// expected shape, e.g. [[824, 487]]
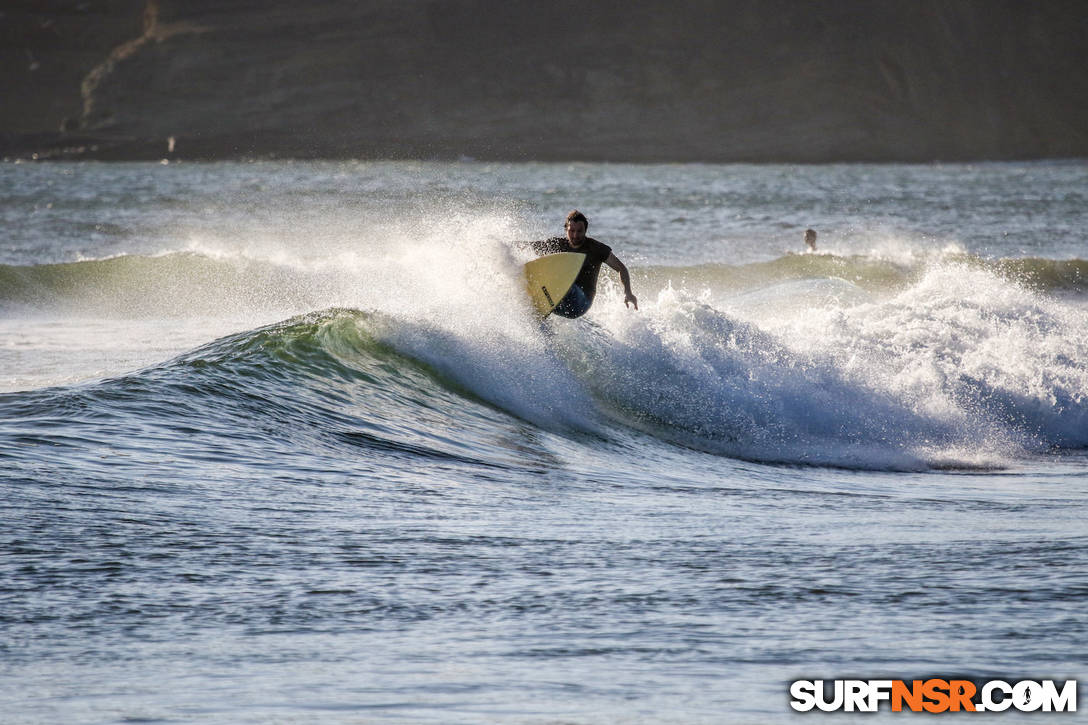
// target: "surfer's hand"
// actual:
[[628, 297]]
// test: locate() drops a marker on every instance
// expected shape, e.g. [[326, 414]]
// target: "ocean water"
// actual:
[[281, 442]]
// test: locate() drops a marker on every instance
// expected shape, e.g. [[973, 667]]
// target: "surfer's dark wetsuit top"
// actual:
[[577, 302]]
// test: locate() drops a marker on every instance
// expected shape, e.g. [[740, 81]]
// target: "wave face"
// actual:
[[961, 363], [315, 388]]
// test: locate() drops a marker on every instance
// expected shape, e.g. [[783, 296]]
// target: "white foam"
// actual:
[[690, 373], [1002, 365], [962, 369]]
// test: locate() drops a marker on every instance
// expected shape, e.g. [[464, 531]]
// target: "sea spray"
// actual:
[[689, 373], [1002, 364]]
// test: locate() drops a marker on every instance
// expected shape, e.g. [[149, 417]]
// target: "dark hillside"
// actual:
[[767, 80]]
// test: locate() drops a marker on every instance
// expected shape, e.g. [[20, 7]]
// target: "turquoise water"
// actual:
[[282, 442]]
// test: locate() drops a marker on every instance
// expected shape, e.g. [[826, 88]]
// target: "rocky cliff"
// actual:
[[694, 80]]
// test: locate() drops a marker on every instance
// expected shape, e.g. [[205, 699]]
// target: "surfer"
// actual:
[[810, 239], [577, 301]]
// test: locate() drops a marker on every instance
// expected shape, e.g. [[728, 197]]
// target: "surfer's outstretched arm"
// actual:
[[625, 277]]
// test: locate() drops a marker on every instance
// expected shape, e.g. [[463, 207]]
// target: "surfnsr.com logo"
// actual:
[[934, 695]]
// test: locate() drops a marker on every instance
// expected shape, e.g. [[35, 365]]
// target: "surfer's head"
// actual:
[[576, 226]]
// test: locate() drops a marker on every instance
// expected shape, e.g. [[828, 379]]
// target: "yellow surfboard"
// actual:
[[548, 278]]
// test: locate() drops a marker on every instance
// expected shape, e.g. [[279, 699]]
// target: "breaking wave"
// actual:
[[952, 366]]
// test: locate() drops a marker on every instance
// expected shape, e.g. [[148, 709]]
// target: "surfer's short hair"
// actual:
[[576, 216]]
